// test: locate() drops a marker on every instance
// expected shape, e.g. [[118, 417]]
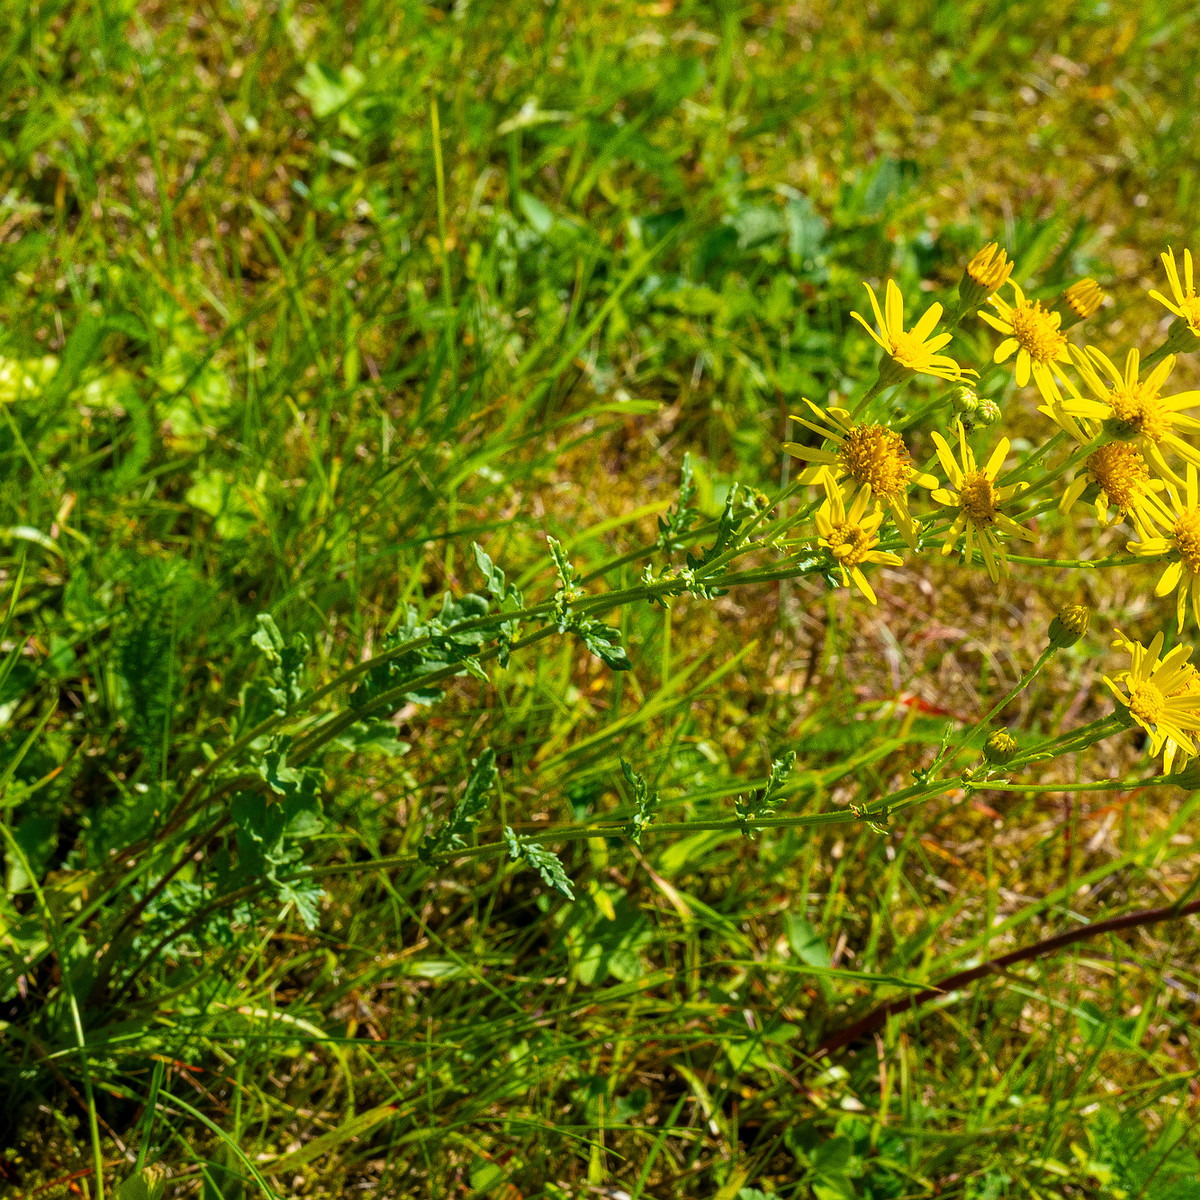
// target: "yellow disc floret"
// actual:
[[849, 543], [1129, 408], [977, 498], [1186, 533], [907, 350], [871, 456], [1121, 473], [876, 455], [1032, 333], [1036, 332], [1146, 703], [1138, 412]]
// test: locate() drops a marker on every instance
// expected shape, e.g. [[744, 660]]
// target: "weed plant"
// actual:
[[519, 677]]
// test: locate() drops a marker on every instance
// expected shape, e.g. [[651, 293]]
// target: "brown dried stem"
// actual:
[[875, 1019]]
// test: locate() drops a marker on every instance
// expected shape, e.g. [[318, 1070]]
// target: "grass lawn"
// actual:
[[359, 839]]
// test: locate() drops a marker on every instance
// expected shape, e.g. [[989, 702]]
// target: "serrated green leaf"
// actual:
[[544, 861], [466, 814]]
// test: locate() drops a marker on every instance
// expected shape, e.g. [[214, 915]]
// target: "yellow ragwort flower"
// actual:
[[1172, 531], [851, 536], [1122, 477], [871, 455], [974, 493], [911, 351], [1135, 411], [1032, 332], [1187, 304], [986, 274], [1159, 694]]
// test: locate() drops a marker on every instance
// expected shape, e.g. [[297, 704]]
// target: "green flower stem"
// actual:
[[339, 722], [1124, 560], [902, 801], [871, 392], [1076, 739], [572, 833], [1065, 743], [921, 413], [568, 833], [1156, 356], [958, 310], [585, 606], [772, 575], [1082, 453], [811, 780], [1176, 343], [575, 833], [1102, 785], [1036, 511], [1020, 686], [772, 531], [881, 810], [1022, 469], [812, 506], [648, 551], [185, 806]]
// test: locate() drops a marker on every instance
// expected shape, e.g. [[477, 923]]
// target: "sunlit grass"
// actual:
[[304, 362]]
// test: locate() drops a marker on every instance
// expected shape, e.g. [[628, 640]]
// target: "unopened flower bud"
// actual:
[[1079, 302], [1000, 748], [988, 412], [985, 274], [964, 401], [1069, 626]]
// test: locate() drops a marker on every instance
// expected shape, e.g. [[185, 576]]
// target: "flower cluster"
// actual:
[[1126, 440]]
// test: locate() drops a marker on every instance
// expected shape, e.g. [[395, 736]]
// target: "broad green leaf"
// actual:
[[804, 941]]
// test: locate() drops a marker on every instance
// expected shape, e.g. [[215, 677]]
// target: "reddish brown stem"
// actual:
[[876, 1018]]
